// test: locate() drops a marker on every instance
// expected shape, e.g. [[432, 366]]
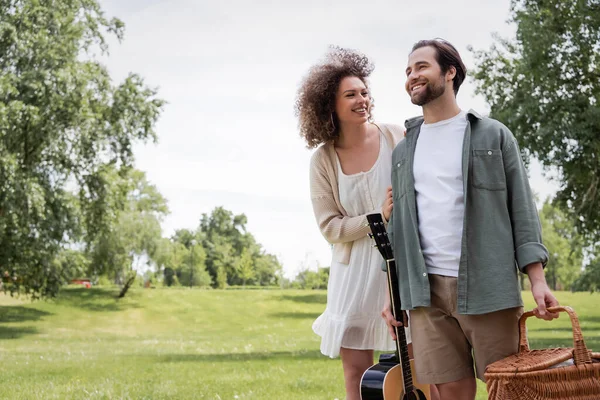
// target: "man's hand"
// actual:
[[541, 292], [388, 205], [391, 322], [543, 298]]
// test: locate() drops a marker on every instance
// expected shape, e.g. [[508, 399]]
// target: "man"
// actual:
[[463, 220]]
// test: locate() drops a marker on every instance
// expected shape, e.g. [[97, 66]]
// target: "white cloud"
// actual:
[[230, 69]]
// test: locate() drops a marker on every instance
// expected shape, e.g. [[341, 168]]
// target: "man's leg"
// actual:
[[465, 389], [442, 352], [493, 336], [355, 363]]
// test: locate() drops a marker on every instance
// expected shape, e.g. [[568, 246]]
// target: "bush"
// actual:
[[308, 279]]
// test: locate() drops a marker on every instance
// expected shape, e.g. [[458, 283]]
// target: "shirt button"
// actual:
[[489, 153], [424, 273], [398, 165]]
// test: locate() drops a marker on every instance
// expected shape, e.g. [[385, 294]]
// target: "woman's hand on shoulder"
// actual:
[[388, 204]]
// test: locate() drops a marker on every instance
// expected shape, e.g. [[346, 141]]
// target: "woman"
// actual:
[[350, 175]]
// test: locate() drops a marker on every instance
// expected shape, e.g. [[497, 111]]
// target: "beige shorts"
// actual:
[[445, 342]]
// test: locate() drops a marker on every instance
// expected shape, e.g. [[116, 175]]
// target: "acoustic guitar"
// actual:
[[391, 378]]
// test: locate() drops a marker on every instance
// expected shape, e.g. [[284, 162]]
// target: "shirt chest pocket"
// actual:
[[488, 169], [399, 177]]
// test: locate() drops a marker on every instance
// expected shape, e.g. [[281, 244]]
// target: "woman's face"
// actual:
[[352, 101]]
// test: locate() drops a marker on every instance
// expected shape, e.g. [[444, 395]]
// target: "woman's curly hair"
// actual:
[[315, 101]]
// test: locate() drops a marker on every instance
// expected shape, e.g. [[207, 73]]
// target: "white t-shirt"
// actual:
[[439, 191]]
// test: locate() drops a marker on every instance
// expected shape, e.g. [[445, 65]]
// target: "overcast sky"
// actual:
[[229, 70]]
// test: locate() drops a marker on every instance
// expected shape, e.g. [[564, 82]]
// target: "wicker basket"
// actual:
[[558, 374]]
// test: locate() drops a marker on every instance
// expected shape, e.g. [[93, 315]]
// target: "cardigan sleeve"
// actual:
[[335, 227], [394, 133]]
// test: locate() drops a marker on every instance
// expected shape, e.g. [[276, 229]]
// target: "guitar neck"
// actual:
[[379, 234], [401, 345]]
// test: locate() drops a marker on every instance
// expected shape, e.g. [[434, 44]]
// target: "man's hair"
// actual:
[[447, 56]]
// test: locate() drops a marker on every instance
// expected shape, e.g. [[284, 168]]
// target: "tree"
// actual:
[[133, 230], [71, 264], [222, 233], [186, 237], [268, 269], [307, 279], [564, 246], [220, 261], [193, 271], [590, 278], [169, 275], [62, 121], [245, 268], [162, 260], [169, 258], [191, 268], [225, 239], [545, 86]]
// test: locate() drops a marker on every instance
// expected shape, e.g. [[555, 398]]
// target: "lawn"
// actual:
[[192, 344]]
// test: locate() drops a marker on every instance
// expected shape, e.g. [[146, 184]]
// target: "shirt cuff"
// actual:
[[530, 253]]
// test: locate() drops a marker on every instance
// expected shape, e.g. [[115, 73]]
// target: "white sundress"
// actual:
[[356, 292]]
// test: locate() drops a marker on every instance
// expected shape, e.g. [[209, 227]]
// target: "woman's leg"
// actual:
[[355, 363]]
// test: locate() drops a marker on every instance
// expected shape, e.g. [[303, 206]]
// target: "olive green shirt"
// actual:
[[501, 227]]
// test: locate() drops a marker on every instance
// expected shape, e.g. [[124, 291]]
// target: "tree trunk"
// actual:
[[126, 287]]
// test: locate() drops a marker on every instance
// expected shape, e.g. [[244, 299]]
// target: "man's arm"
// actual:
[[524, 218], [531, 255]]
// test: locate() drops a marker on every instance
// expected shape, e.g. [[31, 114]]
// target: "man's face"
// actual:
[[424, 79]]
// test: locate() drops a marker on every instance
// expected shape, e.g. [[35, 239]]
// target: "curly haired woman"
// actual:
[[350, 174]]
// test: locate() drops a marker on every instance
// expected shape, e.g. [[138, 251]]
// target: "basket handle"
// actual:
[[581, 355]]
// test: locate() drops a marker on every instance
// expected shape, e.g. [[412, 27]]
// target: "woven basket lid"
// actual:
[[533, 360]]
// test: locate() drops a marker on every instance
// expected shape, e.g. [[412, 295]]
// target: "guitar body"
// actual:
[[383, 381]]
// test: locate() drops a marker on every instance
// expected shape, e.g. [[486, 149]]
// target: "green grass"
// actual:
[[192, 344]]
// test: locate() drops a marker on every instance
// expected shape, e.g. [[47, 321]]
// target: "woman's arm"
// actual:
[[335, 227]]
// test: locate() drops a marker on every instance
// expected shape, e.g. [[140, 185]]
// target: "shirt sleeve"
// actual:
[[526, 227]]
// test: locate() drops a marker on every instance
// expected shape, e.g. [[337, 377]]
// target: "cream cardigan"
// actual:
[[336, 226]]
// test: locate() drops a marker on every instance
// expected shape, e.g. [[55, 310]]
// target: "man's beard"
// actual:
[[431, 92]]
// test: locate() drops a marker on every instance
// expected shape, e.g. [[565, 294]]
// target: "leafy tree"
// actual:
[[564, 246], [71, 264], [545, 86], [268, 269], [221, 275], [163, 259], [193, 271], [590, 278], [220, 261], [307, 279], [245, 269], [62, 122], [169, 275], [225, 239], [186, 237], [133, 230], [190, 268], [221, 230], [219, 252]]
